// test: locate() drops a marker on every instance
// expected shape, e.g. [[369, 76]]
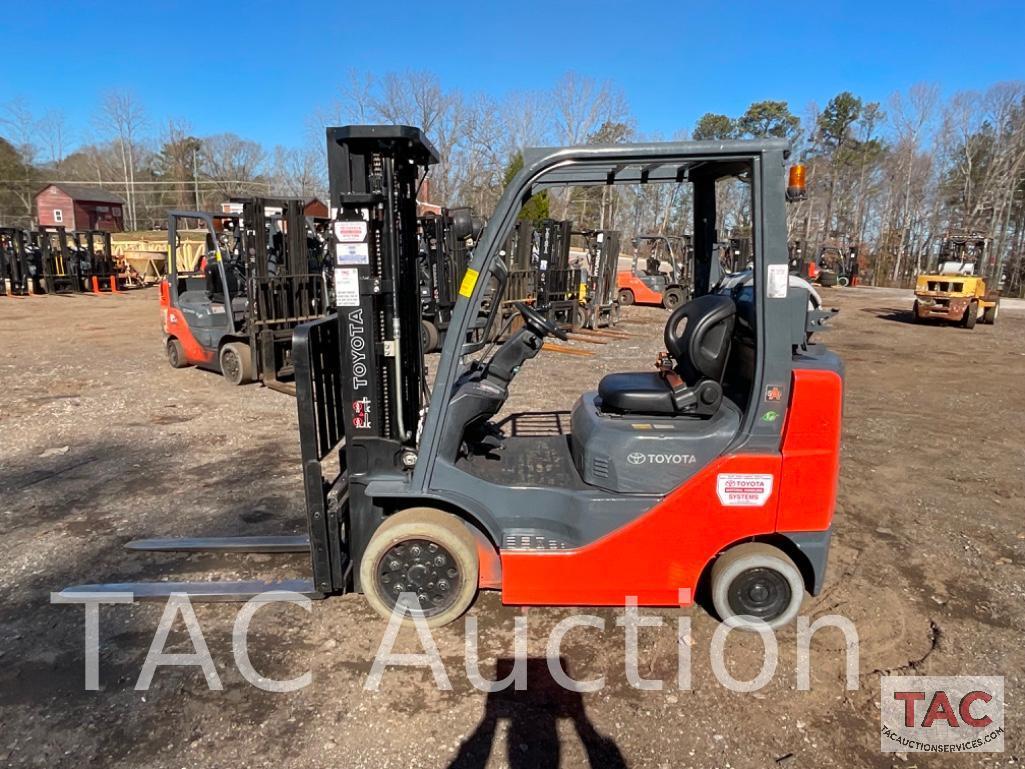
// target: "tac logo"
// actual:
[[942, 714]]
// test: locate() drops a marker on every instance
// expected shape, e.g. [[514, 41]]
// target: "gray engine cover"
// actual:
[[646, 454]]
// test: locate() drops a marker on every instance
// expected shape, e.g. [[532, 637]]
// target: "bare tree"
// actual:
[[234, 164], [910, 116], [296, 172], [126, 116], [53, 131]]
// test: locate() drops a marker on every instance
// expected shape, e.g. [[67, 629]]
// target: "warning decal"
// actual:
[[743, 489], [350, 232], [346, 287], [469, 281]]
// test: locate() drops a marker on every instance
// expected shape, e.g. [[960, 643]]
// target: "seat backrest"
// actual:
[[698, 336]]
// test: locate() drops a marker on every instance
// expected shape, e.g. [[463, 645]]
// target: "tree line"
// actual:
[[890, 177]]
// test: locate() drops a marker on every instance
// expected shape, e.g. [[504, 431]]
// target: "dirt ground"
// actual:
[[102, 442]]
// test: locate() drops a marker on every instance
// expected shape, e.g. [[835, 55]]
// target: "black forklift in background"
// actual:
[[17, 272], [258, 276], [63, 267], [599, 303], [446, 242], [421, 493], [96, 257], [557, 295]]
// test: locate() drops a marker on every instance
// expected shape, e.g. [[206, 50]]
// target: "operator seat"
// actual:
[[698, 337]]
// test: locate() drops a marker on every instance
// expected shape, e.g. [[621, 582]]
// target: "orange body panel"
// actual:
[[175, 325], [642, 294], [811, 452], [665, 550]]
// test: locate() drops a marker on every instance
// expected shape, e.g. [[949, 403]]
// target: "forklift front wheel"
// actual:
[[754, 585], [236, 363], [429, 336], [626, 296], [673, 298], [971, 314], [176, 353], [424, 552]]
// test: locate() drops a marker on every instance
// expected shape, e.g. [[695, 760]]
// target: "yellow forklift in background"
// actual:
[[964, 287]]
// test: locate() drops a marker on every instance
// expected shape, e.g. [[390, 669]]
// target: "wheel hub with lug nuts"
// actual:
[[760, 592], [423, 568]]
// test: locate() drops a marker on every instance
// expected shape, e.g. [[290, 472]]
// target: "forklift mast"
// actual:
[[374, 174]]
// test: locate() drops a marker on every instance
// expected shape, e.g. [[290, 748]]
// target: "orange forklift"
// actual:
[[232, 306], [715, 470], [665, 277]]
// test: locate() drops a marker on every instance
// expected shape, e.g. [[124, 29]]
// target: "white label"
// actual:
[[346, 287], [350, 232], [352, 253], [743, 489], [779, 279]]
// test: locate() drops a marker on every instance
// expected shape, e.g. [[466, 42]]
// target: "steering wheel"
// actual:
[[538, 323]]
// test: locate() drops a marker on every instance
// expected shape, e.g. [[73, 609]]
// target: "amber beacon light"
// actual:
[[795, 182]]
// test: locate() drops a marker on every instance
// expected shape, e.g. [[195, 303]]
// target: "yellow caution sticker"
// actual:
[[469, 282]]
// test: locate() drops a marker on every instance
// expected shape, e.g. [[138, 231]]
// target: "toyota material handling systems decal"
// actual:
[[743, 489]]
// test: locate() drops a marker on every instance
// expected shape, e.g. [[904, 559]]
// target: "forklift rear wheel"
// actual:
[[970, 315], [673, 298], [989, 315], [426, 552], [176, 353], [759, 582], [626, 296], [915, 314], [429, 336], [236, 363]]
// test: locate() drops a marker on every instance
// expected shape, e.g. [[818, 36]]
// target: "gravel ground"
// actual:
[[101, 442]]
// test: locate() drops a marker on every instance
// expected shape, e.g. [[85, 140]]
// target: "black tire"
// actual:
[[827, 278], [433, 535], [626, 296], [971, 315], [614, 314], [673, 298], [176, 353], [756, 580], [236, 363], [989, 315], [914, 313], [579, 317], [429, 336]]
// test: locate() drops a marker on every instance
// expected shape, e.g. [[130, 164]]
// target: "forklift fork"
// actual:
[[319, 396]]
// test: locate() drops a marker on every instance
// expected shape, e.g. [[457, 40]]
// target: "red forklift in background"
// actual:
[[232, 306], [664, 277], [714, 471]]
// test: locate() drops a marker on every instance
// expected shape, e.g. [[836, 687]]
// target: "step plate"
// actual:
[[299, 543], [204, 592]]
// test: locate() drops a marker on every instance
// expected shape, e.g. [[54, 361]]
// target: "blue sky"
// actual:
[[674, 60]]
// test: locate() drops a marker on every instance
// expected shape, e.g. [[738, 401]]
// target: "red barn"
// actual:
[[79, 207]]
